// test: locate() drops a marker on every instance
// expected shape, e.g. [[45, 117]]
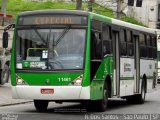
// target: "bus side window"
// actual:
[[149, 46], [123, 43], [107, 41], [96, 40], [130, 48], [154, 44], [96, 45], [143, 52]]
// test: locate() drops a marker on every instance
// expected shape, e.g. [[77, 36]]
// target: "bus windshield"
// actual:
[[50, 49]]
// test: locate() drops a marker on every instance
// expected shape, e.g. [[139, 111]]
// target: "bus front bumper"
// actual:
[[60, 92]]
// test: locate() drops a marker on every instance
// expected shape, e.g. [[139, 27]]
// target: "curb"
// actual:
[[10, 104]]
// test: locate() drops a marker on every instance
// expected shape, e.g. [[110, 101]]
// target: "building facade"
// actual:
[[148, 13]]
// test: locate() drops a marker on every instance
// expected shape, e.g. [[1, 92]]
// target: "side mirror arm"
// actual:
[[10, 26]]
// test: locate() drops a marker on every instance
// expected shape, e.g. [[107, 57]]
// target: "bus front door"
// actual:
[[137, 65], [116, 59]]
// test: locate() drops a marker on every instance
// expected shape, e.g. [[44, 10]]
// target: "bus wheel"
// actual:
[[41, 105], [101, 105], [141, 97], [5, 74], [130, 99]]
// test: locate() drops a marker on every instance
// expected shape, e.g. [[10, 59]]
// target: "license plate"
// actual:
[[47, 91]]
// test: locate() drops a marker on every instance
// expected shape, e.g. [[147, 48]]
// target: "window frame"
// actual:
[[98, 30], [107, 40]]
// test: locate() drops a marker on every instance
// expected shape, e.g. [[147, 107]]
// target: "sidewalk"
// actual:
[[6, 96]]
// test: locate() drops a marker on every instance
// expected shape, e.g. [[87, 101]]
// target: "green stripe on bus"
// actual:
[[148, 77], [100, 18], [126, 78]]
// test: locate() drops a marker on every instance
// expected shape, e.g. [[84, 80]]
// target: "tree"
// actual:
[[119, 9], [79, 4], [90, 5]]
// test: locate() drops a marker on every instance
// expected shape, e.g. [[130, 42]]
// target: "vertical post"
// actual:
[[3, 10], [4, 5], [119, 10], [90, 5], [79, 5]]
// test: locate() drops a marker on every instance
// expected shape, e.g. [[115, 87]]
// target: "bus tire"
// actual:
[[41, 105], [5, 74], [130, 99], [140, 99], [101, 105]]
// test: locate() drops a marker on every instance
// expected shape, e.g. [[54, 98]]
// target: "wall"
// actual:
[[147, 14]]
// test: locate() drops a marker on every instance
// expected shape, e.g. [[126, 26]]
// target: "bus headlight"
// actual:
[[77, 81], [20, 81]]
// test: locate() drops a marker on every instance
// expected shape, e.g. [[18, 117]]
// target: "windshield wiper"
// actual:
[[42, 39], [61, 35]]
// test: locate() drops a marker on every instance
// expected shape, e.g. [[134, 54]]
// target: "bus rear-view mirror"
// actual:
[[5, 39]]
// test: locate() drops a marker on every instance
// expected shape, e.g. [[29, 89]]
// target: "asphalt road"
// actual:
[[117, 109]]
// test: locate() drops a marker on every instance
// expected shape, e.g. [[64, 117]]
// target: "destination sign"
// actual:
[[52, 20]]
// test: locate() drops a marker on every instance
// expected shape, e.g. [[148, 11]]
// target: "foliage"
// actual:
[[103, 11], [132, 20], [16, 6]]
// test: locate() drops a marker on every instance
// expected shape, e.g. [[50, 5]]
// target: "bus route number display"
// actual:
[[52, 20]]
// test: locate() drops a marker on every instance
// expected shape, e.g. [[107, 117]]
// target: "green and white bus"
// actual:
[[77, 56]]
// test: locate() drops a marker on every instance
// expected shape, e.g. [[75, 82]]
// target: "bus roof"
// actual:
[[55, 11], [133, 26], [93, 15], [122, 23]]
